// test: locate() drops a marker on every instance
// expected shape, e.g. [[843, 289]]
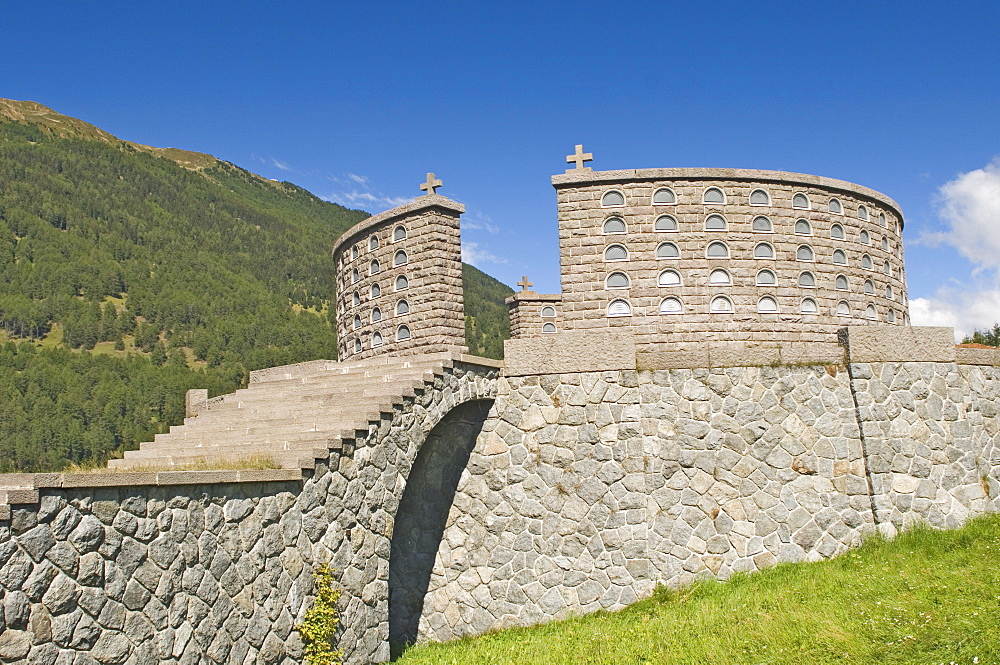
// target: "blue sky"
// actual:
[[357, 101]]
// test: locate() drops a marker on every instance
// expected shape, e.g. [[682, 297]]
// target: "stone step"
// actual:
[[236, 417], [273, 436], [373, 365], [304, 458], [371, 376], [312, 394]]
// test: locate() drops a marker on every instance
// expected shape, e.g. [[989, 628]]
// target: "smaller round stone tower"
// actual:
[[399, 280]]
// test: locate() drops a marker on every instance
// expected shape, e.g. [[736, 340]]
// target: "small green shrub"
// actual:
[[319, 626]]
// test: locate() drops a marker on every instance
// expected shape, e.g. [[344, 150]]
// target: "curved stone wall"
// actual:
[[399, 281], [802, 231]]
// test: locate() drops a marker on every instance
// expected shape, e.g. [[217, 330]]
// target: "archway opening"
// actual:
[[423, 514]]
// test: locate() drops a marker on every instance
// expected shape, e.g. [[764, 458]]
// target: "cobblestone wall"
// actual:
[[586, 490], [221, 572]]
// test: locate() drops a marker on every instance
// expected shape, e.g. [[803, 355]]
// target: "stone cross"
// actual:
[[580, 157], [524, 283], [431, 185]]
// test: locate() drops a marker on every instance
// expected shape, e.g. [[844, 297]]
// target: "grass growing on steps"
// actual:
[[926, 597]]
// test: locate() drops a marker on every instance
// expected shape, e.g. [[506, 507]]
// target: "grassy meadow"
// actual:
[[925, 597]]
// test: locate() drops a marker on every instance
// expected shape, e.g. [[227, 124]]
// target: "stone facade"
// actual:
[[689, 256], [399, 281]]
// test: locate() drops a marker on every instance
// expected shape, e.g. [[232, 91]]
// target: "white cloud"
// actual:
[[281, 165], [472, 254], [357, 191], [480, 221], [965, 310], [970, 207]]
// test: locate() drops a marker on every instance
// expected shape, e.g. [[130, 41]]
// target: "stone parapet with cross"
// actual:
[[579, 158], [431, 185]]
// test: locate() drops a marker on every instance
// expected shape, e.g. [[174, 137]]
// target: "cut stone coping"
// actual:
[[531, 296], [574, 178], [146, 478], [427, 202]]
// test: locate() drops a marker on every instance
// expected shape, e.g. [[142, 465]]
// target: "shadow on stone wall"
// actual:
[[423, 513]]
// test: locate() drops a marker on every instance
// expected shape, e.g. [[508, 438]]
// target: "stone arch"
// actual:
[[423, 514]]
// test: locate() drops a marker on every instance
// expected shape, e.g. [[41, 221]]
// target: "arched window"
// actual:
[[399, 233], [671, 306], [376, 314], [886, 268], [721, 305], [374, 267], [870, 313], [717, 250], [763, 251], [843, 309], [669, 278], [804, 253], [617, 280], [612, 199], [807, 280], [800, 201], [548, 327], [803, 228], [762, 224], [759, 197], [355, 276], [863, 213], [841, 283], [885, 244], [667, 250], [890, 316], [376, 291], [373, 243], [664, 196], [864, 238], [357, 346], [715, 223], [767, 305], [619, 308], [355, 251], [714, 195], [837, 232], [835, 207], [881, 221], [869, 287], [402, 307], [616, 253], [402, 283], [402, 332], [357, 321], [839, 257], [665, 223], [766, 278], [719, 277], [548, 311], [809, 306], [376, 339], [614, 225], [866, 262], [888, 291], [399, 258], [355, 299]]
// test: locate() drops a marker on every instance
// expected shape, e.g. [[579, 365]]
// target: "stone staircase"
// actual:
[[287, 418]]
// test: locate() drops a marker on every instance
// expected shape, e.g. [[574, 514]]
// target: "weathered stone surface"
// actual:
[[14, 644]]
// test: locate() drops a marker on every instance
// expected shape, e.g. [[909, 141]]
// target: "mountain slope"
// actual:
[[199, 266]]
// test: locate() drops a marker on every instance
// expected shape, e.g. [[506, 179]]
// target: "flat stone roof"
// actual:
[[418, 204], [578, 177]]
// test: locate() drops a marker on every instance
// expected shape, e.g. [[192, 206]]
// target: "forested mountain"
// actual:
[[129, 274]]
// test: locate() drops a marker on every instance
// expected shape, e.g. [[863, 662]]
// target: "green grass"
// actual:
[[926, 597]]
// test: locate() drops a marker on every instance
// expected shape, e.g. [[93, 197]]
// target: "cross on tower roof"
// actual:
[[524, 283], [579, 157], [431, 185]]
